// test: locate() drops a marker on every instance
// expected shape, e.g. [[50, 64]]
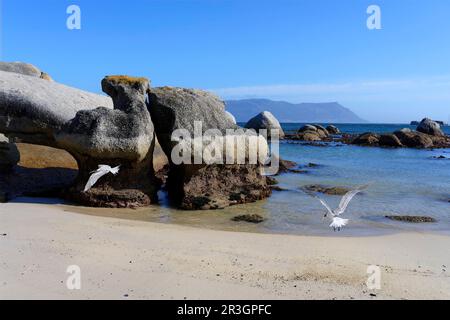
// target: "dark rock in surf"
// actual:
[[333, 129], [367, 139], [412, 219], [251, 218], [390, 140], [335, 191]]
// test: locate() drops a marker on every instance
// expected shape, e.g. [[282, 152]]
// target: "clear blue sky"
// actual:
[[299, 51]]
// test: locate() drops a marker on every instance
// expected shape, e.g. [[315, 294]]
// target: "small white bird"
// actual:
[[338, 223], [100, 172]]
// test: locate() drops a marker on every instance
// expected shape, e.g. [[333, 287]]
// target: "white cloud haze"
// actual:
[[386, 100]]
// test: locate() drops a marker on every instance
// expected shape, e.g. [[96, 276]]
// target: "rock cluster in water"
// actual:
[[412, 219], [122, 130], [314, 133], [427, 135]]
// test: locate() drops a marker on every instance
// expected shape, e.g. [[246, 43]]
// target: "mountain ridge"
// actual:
[[326, 112]]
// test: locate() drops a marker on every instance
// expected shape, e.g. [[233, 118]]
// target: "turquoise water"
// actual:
[[402, 182]]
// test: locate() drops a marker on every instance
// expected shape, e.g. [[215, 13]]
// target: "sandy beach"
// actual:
[[124, 259]]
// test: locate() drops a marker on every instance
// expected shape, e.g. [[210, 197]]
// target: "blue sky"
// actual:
[[299, 51]]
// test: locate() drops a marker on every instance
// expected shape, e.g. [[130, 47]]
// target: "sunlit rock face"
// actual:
[[123, 136], [210, 183]]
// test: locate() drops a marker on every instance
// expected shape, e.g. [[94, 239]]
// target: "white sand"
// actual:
[[155, 261]]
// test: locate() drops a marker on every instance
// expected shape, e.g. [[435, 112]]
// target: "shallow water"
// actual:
[[402, 182]]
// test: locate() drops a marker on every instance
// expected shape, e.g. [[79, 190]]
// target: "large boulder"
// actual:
[[25, 69], [265, 120], [430, 127], [333, 129], [390, 140], [9, 155], [121, 137], [367, 139], [204, 184], [414, 139], [32, 109], [307, 127], [312, 133], [309, 136]]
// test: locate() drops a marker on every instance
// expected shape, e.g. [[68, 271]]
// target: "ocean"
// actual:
[[402, 182]]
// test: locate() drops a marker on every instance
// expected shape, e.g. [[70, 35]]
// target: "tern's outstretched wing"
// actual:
[[325, 205], [102, 170], [347, 198]]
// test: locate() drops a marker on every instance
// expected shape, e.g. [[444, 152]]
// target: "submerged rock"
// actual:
[[335, 191], [207, 184], [265, 120], [251, 218], [32, 110], [286, 165], [121, 137], [412, 219], [430, 127]]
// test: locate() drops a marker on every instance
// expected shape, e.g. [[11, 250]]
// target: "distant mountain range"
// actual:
[[331, 112]]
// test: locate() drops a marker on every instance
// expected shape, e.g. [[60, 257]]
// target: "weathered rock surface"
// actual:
[[414, 139], [265, 120], [206, 185], [311, 133], [402, 138], [32, 109], [123, 136], [367, 139], [333, 129], [9, 155], [430, 127], [250, 218], [179, 108], [25, 69], [412, 219], [390, 140], [335, 191], [307, 127]]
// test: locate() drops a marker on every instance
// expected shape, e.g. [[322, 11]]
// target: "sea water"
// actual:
[[402, 182]]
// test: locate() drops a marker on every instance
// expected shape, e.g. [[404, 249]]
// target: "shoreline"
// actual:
[[126, 259]]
